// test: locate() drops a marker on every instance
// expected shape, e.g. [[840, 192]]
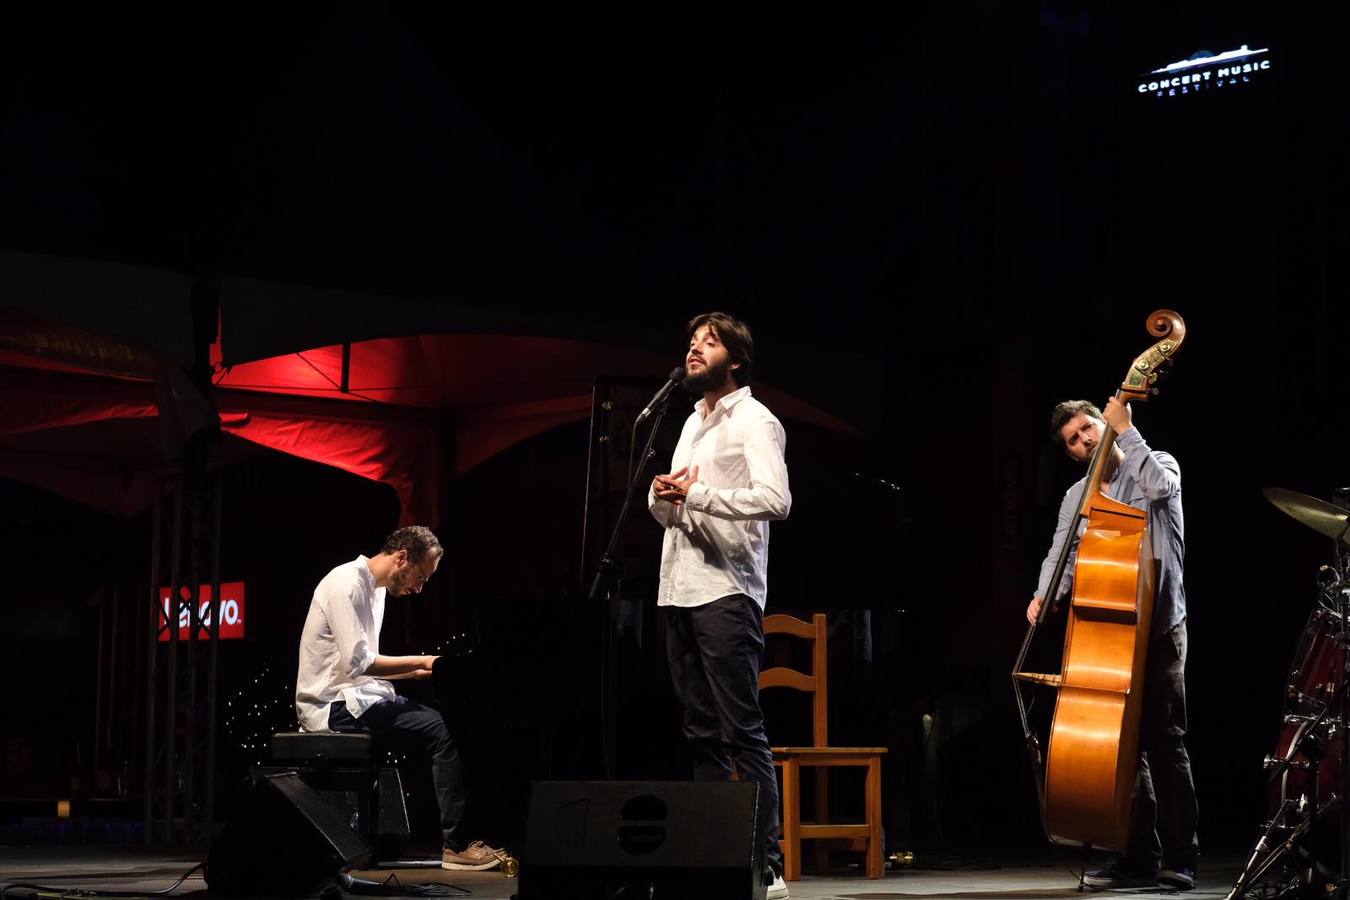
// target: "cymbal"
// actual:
[[1319, 515]]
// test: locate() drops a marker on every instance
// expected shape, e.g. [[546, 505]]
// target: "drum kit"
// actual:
[[1305, 846]]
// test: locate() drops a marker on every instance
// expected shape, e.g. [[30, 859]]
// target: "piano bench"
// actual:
[[321, 746]]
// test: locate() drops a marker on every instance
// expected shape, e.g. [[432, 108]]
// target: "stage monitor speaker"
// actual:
[[592, 839], [288, 841], [391, 814]]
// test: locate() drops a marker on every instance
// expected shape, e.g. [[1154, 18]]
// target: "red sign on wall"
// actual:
[[231, 611]]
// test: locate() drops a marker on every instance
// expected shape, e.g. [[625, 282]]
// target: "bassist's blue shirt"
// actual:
[[1149, 480]]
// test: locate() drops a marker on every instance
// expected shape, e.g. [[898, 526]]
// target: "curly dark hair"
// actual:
[[1066, 411], [417, 540]]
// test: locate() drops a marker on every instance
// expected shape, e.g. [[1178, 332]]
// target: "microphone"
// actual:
[[675, 377]]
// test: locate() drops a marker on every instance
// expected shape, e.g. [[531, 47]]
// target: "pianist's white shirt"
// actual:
[[340, 641]]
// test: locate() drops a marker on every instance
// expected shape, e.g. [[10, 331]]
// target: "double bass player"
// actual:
[[1162, 846]]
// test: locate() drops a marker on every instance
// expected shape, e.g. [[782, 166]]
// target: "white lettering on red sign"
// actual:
[[231, 612]]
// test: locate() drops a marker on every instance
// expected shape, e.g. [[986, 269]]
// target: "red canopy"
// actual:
[[405, 400]]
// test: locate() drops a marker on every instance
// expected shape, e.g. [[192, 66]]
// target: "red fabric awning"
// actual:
[[499, 389], [416, 411]]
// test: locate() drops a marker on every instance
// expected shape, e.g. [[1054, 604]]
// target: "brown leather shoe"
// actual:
[[475, 857]]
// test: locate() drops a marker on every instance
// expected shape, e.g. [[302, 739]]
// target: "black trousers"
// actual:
[[714, 653], [418, 728], [1163, 819]]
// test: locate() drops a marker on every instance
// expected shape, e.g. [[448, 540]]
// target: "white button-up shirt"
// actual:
[[340, 641], [717, 541]]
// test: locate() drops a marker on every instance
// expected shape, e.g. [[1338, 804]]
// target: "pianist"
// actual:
[[343, 683]]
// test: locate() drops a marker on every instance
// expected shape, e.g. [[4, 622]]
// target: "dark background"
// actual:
[[973, 197]]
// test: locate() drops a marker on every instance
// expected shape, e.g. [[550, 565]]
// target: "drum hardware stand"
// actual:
[[1343, 642], [1342, 700], [1263, 857]]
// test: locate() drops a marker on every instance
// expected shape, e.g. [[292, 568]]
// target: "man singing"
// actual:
[[728, 481]]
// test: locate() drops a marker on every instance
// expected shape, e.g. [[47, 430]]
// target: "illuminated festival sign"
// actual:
[[1205, 71]]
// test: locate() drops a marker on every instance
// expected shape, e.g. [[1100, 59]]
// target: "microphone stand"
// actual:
[[606, 586], [611, 569]]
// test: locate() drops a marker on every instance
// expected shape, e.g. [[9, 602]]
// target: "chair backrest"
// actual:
[[815, 682]]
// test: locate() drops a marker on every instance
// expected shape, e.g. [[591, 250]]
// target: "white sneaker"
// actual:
[[778, 890]]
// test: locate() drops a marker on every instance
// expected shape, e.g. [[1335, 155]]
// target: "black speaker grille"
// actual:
[[286, 841], [393, 811], [323, 815], [678, 838]]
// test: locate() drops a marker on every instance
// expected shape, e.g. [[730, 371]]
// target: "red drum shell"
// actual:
[[1314, 675]]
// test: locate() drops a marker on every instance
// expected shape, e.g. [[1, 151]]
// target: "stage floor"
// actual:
[[138, 870]]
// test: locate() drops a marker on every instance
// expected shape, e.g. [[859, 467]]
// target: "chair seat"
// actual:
[[304, 746]]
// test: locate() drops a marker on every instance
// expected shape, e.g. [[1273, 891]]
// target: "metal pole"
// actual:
[[98, 694], [195, 512], [171, 705], [591, 463], [211, 679], [114, 673], [153, 634]]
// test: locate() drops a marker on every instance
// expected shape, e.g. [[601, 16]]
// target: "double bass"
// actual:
[[1092, 756]]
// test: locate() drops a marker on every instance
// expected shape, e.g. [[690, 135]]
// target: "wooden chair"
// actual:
[[821, 757]]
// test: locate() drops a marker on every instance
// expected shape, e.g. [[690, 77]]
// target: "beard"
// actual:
[[400, 585], [712, 376]]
